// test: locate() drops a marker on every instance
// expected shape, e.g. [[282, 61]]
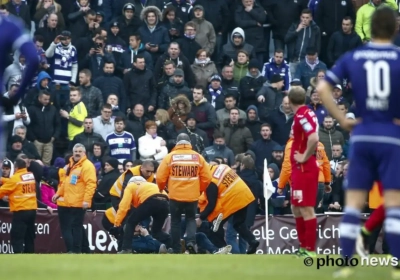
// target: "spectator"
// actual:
[[77, 113], [205, 33], [342, 41], [15, 148], [301, 36], [219, 149], [330, 22], [108, 84], [97, 152], [173, 88], [140, 85], [151, 146], [270, 96], [172, 23], [104, 124], [27, 147], [50, 31], [263, 148], [136, 121], [251, 17], [337, 94], [250, 85], [187, 43], [229, 103], [314, 81], [44, 127], [204, 112], [91, 96], [277, 155], [198, 137], [98, 56], [77, 194], [113, 101], [329, 136], [65, 63], [179, 110], [13, 73], [44, 9], [136, 47], [128, 164], [154, 36], [182, 8], [216, 92], [16, 115], [230, 86], [121, 143], [43, 65], [364, 14], [317, 107], [80, 15], [253, 122], [128, 22], [337, 156], [236, 43], [102, 194], [309, 68], [100, 18], [115, 42], [165, 128], [277, 66], [237, 136], [241, 65], [43, 81], [87, 137], [281, 120], [20, 9], [203, 68], [174, 54]]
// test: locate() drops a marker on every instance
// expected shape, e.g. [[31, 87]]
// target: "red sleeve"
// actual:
[[309, 123]]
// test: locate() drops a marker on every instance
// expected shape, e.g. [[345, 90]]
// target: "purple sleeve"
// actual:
[[339, 71]]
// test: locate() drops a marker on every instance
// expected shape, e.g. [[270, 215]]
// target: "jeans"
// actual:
[[156, 207], [293, 68], [231, 239], [189, 209], [204, 243], [71, 225], [23, 231]]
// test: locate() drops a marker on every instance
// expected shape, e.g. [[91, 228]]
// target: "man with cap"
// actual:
[[337, 93], [65, 60], [176, 85], [216, 92], [309, 67], [100, 19], [198, 137], [128, 23], [110, 175], [270, 96], [115, 44], [250, 85], [205, 34], [277, 155]]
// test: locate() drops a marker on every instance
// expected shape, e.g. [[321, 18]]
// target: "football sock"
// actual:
[[392, 230], [310, 234], [349, 229], [300, 227], [376, 219]]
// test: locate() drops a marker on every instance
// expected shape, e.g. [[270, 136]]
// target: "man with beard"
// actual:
[[277, 156], [253, 122], [219, 150], [329, 136]]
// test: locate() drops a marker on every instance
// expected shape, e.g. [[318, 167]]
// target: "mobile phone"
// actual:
[[153, 45], [61, 38], [99, 46], [23, 111]]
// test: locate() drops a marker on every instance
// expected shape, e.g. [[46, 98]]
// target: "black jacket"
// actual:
[[23, 13], [340, 43], [140, 88], [128, 28], [248, 88], [88, 139], [189, 47], [48, 35], [102, 193], [280, 126], [330, 13], [45, 123], [109, 83]]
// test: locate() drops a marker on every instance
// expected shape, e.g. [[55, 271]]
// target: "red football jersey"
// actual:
[[305, 122]]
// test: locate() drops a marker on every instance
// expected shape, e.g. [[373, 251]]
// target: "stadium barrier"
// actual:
[[282, 234]]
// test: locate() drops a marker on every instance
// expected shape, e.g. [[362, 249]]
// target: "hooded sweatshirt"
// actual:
[[254, 125]]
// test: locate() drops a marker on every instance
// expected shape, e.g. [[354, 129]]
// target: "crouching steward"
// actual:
[[187, 175], [227, 196], [146, 201], [21, 192]]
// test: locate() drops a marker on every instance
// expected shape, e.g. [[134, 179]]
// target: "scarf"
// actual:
[[22, 67], [312, 66], [205, 61], [214, 94], [189, 36]]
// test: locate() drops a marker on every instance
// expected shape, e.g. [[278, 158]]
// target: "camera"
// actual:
[[99, 46], [61, 38]]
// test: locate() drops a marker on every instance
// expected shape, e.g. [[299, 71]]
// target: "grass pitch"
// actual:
[[163, 267]]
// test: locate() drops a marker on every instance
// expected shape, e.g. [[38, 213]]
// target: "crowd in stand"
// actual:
[[124, 78]]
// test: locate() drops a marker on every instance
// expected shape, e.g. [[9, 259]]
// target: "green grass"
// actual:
[[162, 267]]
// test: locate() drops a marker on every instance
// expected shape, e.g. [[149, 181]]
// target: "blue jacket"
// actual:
[[319, 110], [271, 68], [305, 73], [145, 244]]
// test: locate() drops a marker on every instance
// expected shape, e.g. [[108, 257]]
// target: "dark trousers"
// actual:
[[23, 231], [107, 226], [189, 209], [71, 225], [156, 207]]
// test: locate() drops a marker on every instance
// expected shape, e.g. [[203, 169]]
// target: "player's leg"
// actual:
[[296, 195]]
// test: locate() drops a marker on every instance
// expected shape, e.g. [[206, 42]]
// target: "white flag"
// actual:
[[269, 189]]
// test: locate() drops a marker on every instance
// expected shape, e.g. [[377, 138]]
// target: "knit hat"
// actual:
[[112, 161], [277, 148], [66, 33], [215, 78], [198, 7], [276, 78], [254, 64], [115, 24], [16, 139], [178, 72], [129, 6], [190, 116], [296, 82], [59, 162]]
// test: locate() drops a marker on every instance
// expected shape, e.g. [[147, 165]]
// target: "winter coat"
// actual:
[[203, 72], [237, 137]]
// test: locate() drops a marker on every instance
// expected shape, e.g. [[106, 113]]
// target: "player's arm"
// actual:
[[312, 142], [325, 89], [212, 196], [309, 124]]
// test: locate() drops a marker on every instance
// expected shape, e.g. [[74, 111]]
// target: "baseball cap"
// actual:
[[338, 86], [6, 163], [215, 78], [350, 116]]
